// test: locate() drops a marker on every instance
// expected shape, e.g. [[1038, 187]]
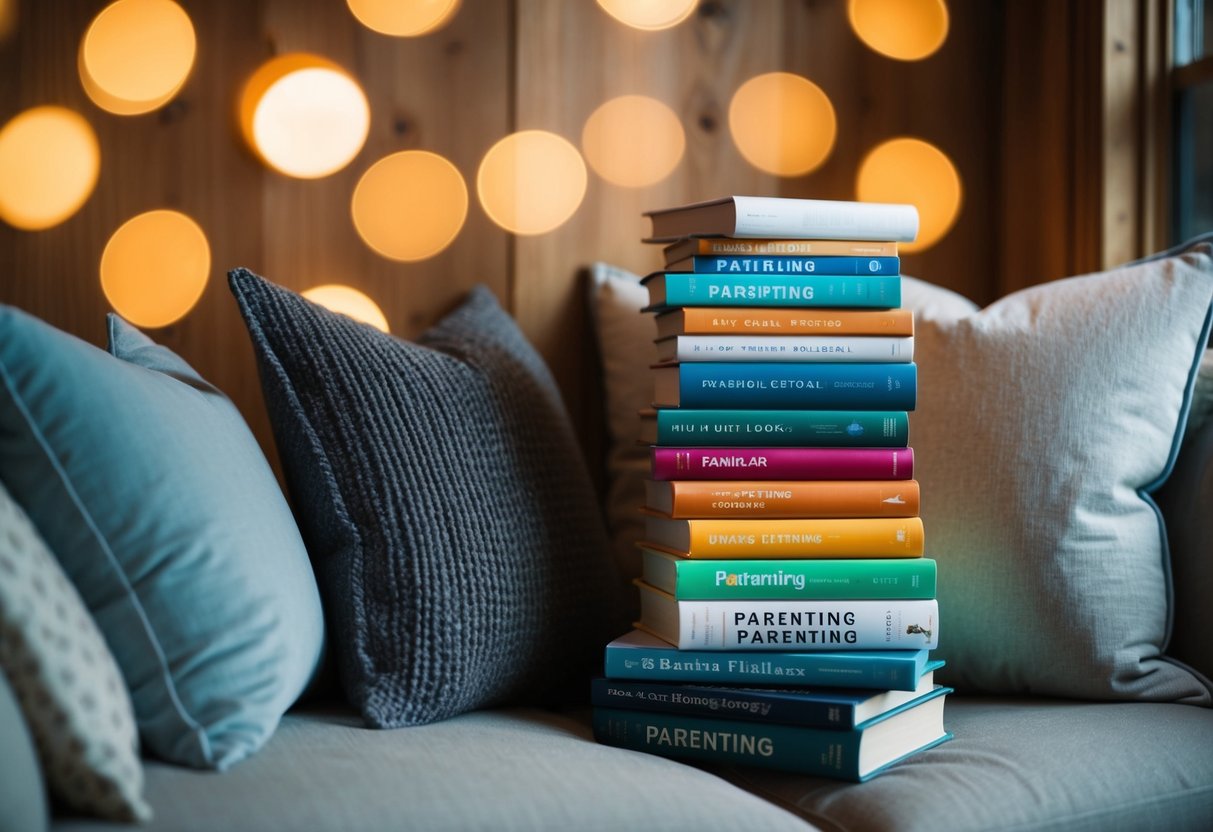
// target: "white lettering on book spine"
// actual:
[[728, 741]]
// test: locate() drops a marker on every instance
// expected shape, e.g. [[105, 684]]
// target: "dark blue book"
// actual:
[[786, 264], [786, 386], [807, 291]]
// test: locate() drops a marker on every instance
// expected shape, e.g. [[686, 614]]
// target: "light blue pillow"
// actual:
[[155, 497]]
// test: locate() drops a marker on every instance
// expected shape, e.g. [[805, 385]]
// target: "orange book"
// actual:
[[782, 498], [868, 537], [691, 246], [701, 320]]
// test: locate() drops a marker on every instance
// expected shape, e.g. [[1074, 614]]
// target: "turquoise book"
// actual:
[[721, 427], [674, 289], [786, 386], [857, 754], [786, 264], [639, 655]]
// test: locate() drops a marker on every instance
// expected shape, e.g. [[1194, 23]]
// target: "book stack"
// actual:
[[783, 544]]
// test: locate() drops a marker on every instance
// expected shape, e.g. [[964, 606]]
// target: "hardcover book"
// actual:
[[641, 655], [771, 217], [668, 289], [737, 463], [785, 264], [785, 579], [731, 537], [692, 246], [742, 320], [782, 498], [771, 385], [832, 348], [789, 625], [857, 754], [776, 428]]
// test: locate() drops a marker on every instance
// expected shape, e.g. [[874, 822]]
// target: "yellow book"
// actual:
[[692, 246], [868, 537]]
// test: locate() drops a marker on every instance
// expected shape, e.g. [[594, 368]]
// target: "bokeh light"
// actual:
[[782, 123], [136, 55], [909, 170], [908, 30], [8, 19], [347, 300], [403, 18], [649, 15], [633, 141], [49, 162], [410, 205], [304, 115], [531, 182], [154, 268]]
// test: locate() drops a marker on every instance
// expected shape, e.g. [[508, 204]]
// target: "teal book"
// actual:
[[722, 428], [857, 754], [639, 655], [787, 264], [673, 289], [689, 579], [786, 386]]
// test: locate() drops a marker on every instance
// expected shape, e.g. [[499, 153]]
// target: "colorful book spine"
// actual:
[[739, 246], [730, 537], [783, 498], [776, 386], [832, 348], [788, 264], [789, 580], [895, 624], [688, 289], [757, 321], [739, 463], [823, 752], [639, 655], [777, 428]]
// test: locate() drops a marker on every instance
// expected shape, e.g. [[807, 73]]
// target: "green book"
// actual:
[[776, 428]]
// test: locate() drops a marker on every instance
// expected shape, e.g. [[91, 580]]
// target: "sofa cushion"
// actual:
[[156, 499], [67, 681], [1028, 765], [444, 497], [22, 789]]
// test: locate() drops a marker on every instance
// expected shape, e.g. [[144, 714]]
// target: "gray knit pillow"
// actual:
[[443, 498]]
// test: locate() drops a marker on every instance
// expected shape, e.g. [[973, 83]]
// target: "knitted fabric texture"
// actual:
[[443, 498]]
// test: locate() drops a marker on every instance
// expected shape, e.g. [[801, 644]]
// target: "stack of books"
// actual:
[[783, 543]]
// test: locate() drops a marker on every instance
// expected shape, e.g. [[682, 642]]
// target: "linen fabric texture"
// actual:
[[157, 501], [444, 498]]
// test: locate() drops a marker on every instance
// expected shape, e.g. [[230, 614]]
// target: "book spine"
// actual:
[[794, 265], [851, 248], [876, 670], [837, 349], [714, 702], [742, 321], [784, 428], [816, 751], [795, 498], [808, 625], [770, 217], [782, 463], [771, 385], [792, 580], [865, 537], [689, 289]]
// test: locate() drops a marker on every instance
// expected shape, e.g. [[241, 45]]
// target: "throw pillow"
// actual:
[[443, 494], [160, 506], [66, 680]]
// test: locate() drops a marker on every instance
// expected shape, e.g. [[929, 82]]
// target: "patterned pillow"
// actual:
[[66, 680], [444, 498]]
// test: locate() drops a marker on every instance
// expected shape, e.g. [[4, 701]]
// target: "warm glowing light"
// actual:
[[348, 301], [633, 141], [304, 115], [531, 182], [908, 30], [913, 171], [649, 15], [136, 55], [404, 18], [8, 18], [49, 161], [410, 205], [154, 268], [782, 123]]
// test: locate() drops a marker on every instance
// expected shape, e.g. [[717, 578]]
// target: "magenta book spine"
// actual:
[[782, 463]]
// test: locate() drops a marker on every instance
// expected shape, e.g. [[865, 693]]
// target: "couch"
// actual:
[[1071, 742]]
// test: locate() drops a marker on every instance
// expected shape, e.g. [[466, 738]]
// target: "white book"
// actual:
[[785, 217], [835, 349]]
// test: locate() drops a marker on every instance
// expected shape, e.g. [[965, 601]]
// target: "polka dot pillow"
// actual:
[[65, 678]]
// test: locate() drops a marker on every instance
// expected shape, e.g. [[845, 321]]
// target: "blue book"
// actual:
[[638, 655], [809, 291], [857, 754], [786, 385], [785, 264], [837, 708]]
